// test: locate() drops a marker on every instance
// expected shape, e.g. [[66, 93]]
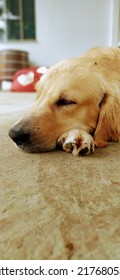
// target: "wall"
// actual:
[[67, 28]]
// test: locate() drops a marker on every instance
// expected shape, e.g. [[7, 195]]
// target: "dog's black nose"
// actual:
[[19, 136]]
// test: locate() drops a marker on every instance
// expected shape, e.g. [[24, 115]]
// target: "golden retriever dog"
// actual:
[[77, 106]]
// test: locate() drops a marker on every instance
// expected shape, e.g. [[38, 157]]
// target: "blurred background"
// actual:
[[51, 30]]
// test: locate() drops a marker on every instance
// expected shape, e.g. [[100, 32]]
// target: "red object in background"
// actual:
[[24, 80]]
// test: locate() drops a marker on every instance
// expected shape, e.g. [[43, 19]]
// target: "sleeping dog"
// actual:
[[77, 105]]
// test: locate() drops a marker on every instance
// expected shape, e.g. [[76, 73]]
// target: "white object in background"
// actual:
[[6, 85], [26, 79], [42, 70]]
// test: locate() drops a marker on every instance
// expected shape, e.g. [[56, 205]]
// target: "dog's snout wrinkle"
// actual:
[[19, 136]]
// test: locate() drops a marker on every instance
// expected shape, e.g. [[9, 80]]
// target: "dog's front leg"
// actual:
[[77, 142]]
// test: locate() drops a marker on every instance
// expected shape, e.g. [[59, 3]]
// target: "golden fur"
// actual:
[[80, 93]]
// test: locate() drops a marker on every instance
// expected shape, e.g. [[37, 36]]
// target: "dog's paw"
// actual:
[[77, 142]]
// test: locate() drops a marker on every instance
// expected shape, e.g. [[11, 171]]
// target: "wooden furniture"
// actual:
[[11, 61]]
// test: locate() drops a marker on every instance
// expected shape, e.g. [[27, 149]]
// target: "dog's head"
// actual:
[[69, 95]]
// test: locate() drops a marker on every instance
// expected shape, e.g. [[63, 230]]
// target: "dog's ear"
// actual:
[[108, 127]]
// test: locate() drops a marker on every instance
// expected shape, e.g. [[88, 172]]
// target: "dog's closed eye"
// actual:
[[64, 102]]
